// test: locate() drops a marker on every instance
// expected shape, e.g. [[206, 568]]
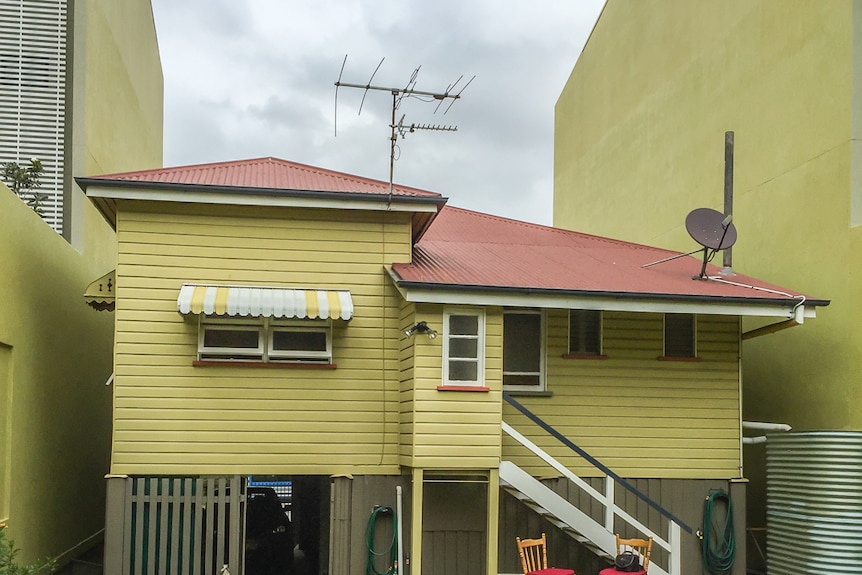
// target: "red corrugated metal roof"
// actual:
[[466, 248], [265, 173]]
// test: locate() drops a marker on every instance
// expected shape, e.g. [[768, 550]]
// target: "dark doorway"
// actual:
[[455, 520]]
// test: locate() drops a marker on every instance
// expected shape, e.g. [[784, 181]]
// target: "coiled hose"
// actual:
[[719, 539], [370, 568]]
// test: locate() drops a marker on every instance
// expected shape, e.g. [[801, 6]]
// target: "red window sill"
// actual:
[[583, 356], [463, 388], [671, 358], [265, 364]]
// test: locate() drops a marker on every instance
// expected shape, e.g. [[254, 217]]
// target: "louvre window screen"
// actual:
[[679, 335], [33, 93], [585, 332]]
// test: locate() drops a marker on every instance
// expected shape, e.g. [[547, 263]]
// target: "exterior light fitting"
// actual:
[[421, 327]]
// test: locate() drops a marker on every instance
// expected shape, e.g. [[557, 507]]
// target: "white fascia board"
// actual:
[[252, 199], [457, 297]]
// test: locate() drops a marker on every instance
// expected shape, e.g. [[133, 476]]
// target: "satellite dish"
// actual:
[[710, 228]]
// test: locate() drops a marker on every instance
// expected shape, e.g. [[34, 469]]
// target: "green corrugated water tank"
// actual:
[[814, 503]]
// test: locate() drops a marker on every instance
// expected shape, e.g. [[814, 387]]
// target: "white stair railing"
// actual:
[[604, 539]]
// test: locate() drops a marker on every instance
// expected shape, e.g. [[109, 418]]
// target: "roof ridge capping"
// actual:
[[283, 175]]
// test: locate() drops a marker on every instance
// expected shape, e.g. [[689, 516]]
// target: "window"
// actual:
[[679, 335], [265, 340], [585, 332], [464, 348], [523, 350]]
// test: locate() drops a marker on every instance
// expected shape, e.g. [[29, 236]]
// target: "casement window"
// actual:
[[464, 347], [679, 335], [266, 340], [264, 325], [585, 332], [523, 350]]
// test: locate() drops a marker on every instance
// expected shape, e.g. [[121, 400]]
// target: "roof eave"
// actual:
[[426, 292], [104, 193]]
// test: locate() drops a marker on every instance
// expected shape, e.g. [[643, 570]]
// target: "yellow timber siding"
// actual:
[[407, 390], [640, 416], [452, 429], [172, 417]]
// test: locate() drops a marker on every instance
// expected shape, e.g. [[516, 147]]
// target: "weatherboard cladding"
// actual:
[[266, 174], [467, 249]]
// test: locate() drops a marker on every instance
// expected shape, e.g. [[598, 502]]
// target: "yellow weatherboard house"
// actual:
[[82, 92], [639, 141], [315, 370]]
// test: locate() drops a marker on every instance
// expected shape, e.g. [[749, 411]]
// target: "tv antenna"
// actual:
[[400, 129], [712, 230]]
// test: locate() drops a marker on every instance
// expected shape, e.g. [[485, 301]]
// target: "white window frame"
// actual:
[[264, 352], [693, 336], [540, 385], [600, 335], [480, 346]]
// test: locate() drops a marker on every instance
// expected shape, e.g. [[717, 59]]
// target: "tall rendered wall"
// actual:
[[55, 356], [117, 104], [55, 352], [639, 142]]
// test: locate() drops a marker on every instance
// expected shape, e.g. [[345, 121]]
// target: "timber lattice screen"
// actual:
[[179, 525]]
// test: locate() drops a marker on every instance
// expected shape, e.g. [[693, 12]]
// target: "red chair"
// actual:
[[534, 558]]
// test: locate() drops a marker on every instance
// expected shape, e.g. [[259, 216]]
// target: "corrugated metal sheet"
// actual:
[[466, 248], [814, 503], [265, 302], [266, 173]]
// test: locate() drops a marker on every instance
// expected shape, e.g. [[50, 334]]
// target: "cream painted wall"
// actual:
[[56, 357], [639, 140], [57, 349], [117, 102]]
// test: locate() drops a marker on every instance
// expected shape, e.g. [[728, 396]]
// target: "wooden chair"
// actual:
[[534, 558], [640, 547]]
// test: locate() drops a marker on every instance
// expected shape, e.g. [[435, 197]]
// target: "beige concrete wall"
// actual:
[[639, 143], [56, 351], [56, 357], [117, 102]]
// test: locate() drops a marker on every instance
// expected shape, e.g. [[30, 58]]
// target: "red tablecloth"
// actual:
[[613, 571]]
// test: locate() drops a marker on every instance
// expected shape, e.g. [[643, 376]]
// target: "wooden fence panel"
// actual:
[[178, 525]]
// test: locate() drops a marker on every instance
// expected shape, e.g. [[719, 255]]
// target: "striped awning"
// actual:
[[99, 295], [265, 302]]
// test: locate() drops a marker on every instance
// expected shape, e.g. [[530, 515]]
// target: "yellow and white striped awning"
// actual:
[[99, 295], [265, 302]]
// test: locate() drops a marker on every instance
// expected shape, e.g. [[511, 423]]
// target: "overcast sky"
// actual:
[[253, 78]]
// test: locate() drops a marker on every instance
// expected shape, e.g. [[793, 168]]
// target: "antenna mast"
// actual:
[[400, 129]]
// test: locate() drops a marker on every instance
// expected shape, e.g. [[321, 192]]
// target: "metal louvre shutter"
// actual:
[[33, 92]]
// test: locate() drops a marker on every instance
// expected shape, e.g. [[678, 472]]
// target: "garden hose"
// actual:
[[719, 539], [392, 551]]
